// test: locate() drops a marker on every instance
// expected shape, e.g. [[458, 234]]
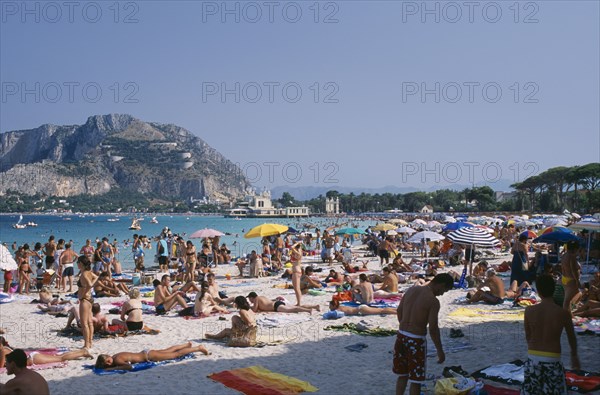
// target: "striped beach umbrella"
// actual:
[[530, 234], [592, 226], [473, 236], [551, 229], [456, 226]]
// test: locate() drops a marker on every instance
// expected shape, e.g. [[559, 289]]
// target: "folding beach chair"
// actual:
[[462, 282]]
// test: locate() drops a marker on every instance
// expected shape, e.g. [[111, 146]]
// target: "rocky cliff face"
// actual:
[[116, 150]]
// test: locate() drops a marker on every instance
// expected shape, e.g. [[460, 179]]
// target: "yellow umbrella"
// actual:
[[384, 227], [266, 230]]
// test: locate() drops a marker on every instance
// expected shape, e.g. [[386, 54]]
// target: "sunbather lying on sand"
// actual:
[[36, 358], [590, 307], [363, 309], [124, 360], [262, 303]]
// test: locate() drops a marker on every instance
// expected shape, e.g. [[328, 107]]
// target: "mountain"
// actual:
[[310, 192], [116, 151]]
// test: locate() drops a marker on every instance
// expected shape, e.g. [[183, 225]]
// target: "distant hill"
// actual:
[[116, 151], [310, 192]]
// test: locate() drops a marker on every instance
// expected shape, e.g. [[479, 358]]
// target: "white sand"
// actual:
[[310, 353]]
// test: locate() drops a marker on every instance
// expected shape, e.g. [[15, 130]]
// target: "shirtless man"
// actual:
[[418, 309], [26, 381], [213, 290], [164, 300], [363, 292], [49, 250], [262, 303], [544, 323], [492, 291], [390, 283], [570, 275]]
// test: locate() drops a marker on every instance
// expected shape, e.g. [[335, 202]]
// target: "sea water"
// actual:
[[81, 227]]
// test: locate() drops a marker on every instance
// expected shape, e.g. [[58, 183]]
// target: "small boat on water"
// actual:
[[135, 225], [32, 224], [113, 219], [154, 220], [19, 225]]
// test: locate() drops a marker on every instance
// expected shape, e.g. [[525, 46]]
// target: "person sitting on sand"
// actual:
[[133, 310], [125, 360], [264, 304], [363, 309], [104, 288], [491, 293], [333, 278], [205, 305], [37, 358], [99, 320], [591, 306], [400, 266], [389, 286], [26, 381], [213, 290], [363, 292], [164, 300], [243, 326], [308, 282]]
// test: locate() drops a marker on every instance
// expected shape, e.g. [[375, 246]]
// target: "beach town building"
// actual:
[[332, 206], [261, 205], [427, 209]]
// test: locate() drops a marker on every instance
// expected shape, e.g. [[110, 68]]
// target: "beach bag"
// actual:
[[447, 386]]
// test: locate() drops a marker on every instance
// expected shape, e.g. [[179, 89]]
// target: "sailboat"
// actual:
[[154, 220], [19, 225], [135, 225]]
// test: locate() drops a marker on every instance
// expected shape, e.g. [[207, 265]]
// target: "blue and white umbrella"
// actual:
[[474, 237]]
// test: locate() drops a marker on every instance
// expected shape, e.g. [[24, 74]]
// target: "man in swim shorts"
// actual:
[[262, 303], [418, 309], [26, 381], [544, 323]]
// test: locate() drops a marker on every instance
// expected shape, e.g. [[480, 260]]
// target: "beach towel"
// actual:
[[242, 284], [53, 365], [257, 380], [586, 326], [352, 327], [491, 390], [114, 331], [316, 292], [47, 351], [261, 341], [582, 381], [486, 315], [280, 320], [512, 373], [452, 346], [136, 367]]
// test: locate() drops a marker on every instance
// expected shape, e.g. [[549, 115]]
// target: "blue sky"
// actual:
[[361, 118]]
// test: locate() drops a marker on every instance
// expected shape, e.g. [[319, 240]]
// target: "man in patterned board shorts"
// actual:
[[418, 309], [544, 323]]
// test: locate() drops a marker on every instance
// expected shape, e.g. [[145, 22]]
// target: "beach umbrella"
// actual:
[[205, 233], [433, 224], [524, 224], [529, 233], [473, 236], [7, 262], [350, 231], [449, 219], [558, 236], [418, 221], [406, 229], [291, 230], [592, 226], [398, 221], [418, 237], [456, 226], [556, 229], [265, 230], [392, 233], [384, 227]]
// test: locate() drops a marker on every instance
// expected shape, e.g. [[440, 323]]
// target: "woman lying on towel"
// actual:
[[37, 358], [363, 309], [243, 327], [124, 360]]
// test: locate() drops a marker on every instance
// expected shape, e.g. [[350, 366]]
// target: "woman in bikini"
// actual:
[[124, 360], [363, 309], [243, 326], [190, 260], [205, 305], [296, 258], [570, 275], [22, 256], [84, 294], [102, 288], [518, 268], [133, 310], [37, 358]]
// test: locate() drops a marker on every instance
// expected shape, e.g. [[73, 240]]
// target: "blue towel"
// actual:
[[136, 366]]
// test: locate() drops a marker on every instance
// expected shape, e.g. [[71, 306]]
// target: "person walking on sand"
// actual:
[[544, 323], [570, 275], [418, 309], [124, 360]]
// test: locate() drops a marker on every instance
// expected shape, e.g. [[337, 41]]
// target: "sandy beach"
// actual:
[[301, 348]]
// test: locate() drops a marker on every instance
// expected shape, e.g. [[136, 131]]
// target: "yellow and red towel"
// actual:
[[256, 380]]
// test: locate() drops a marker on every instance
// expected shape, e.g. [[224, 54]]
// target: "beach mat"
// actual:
[[136, 367], [257, 380], [483, 315], [351, 327], [114, 333]]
